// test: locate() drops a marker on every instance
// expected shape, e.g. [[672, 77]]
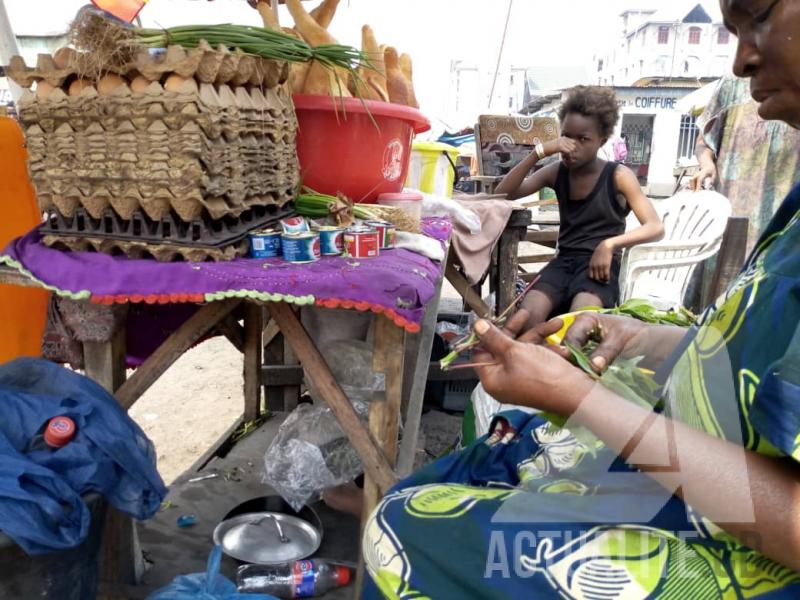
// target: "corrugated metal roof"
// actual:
[[546, 79]]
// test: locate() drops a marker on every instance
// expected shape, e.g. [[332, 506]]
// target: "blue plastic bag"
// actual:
[[205, 586], [40, 504]]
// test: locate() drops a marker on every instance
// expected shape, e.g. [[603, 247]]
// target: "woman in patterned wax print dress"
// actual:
[[700, 499]]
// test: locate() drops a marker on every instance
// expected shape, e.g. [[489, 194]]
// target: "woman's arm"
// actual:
[[708, 165], [752, 497], [755, 498], [514, 185]]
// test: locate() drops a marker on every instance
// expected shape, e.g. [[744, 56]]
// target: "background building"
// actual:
[[685, 40], [660, 56]]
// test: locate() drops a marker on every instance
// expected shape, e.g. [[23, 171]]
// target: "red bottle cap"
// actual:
[[59, 432], [342, 575]]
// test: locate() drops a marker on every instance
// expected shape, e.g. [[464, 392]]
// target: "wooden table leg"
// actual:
[[119, 556], [384, 412], [273, 355], [253, 348], [384, 416], [507, 266], [104, 362], [291, 393], [418, 353]]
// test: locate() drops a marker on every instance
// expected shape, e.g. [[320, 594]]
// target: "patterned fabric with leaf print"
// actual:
[[535, 511]]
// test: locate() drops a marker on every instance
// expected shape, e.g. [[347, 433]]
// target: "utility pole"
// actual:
[[500, 52], [8, 48], [674, 49]]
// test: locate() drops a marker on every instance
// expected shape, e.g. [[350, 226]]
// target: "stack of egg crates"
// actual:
[[177, 155]]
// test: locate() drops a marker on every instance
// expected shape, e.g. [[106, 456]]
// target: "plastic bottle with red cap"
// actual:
[[299, 579], [57, 433]]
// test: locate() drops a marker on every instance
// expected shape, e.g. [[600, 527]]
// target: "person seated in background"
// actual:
[[594, 198]]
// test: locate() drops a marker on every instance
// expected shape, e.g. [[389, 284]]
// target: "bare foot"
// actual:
[[347, 498]]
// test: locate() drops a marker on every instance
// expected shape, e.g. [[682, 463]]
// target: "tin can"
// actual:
[[386, 232], [331, 240], [362, 242], [300, 247], [294, 225], [265, 243]]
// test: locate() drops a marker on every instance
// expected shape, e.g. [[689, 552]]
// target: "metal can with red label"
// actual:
[[362, 242], [300, 247], [295, 225], [331, 240], [386, 232]]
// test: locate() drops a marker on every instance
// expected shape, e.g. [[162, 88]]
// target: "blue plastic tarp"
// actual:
[[40, 490]]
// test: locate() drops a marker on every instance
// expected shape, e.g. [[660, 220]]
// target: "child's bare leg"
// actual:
[[583, 300], [539, 305]]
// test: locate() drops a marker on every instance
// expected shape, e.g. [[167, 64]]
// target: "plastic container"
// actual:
[[409, 202], [55, 434], [340, 149], [301, 579], [432, 168]]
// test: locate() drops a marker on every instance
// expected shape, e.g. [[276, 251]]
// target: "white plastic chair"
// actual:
[[694, 223]]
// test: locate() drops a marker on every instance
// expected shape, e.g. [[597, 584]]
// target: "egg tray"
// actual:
[[143, 250], [218, 151], [204, 64], [202, 233]]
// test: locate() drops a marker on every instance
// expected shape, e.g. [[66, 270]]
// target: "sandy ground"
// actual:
[[192, 405]]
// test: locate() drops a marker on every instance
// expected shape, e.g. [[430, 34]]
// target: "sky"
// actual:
[[434, 32]]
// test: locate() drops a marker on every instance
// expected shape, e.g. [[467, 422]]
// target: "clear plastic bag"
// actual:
[[350, 361], [310, 454], [205, 586]]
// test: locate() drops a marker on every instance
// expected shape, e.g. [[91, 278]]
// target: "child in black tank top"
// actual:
[[594, 198]]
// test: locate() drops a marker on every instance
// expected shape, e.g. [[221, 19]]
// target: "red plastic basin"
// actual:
[[341, 150]]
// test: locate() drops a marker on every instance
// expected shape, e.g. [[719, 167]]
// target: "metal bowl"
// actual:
[[256, 537]]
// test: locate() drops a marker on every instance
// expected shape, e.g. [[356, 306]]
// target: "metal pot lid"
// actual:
[[256, 538]]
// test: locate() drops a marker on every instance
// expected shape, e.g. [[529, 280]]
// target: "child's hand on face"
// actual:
[[562, 145], [600, 265]]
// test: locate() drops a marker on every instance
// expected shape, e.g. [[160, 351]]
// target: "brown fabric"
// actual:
[[474, 252], [71, 322]]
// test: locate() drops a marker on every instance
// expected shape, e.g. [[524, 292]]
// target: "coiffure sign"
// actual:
[[650, 99]]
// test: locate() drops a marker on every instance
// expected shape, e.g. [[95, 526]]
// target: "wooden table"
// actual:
[[402, 358]]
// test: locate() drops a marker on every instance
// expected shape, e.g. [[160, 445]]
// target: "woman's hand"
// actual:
[[561, 145], [524, 373], [600, 265], [618, 335], [707, 172]]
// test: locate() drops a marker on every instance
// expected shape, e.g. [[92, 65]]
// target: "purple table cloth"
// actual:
[[398, 283]]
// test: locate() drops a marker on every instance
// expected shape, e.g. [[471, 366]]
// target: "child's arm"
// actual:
[[651, 227], [514, 184]]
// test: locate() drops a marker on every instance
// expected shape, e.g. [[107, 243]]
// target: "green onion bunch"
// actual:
[[316, 205], [258, 41]]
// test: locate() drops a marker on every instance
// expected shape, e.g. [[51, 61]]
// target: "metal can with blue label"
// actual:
[[300, 247], [331, 240], [265, 243]]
